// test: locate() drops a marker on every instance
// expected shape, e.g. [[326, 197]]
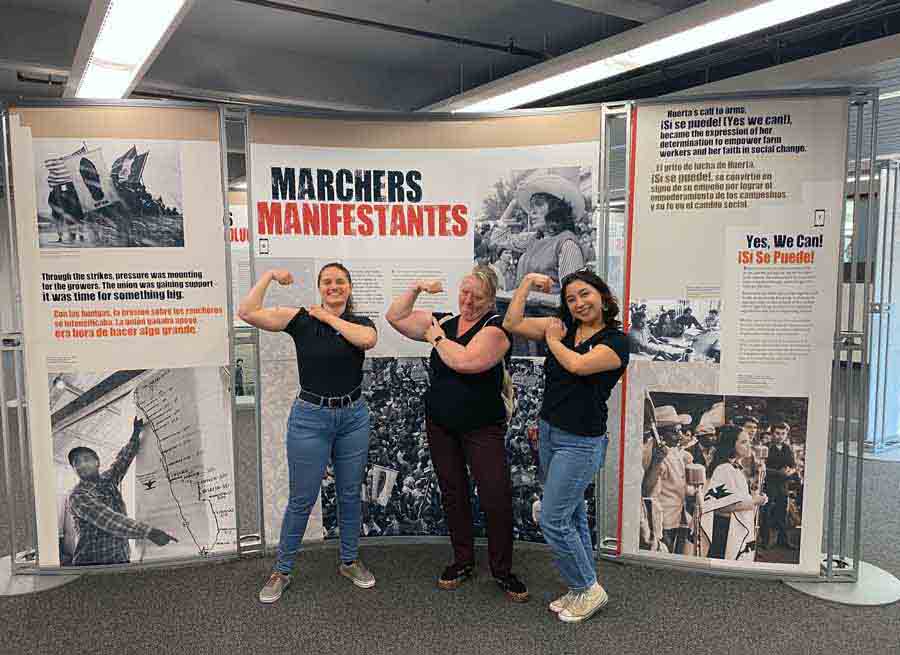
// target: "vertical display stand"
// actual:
[[865, 584], [13, 581], [254, 542], [612, 210], [21, 574], [232, 350], [861, 583]]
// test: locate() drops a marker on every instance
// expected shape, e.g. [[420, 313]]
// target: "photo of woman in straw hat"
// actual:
[[553, 207], [553, 203]]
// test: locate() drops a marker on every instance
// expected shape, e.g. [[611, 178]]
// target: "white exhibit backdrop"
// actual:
[[410, 201], [239, 237], [122, 253], [736, 213]]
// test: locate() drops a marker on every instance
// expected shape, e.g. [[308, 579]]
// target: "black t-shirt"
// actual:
[[465, 401], [780, 457], [328, 364], [577, 403]]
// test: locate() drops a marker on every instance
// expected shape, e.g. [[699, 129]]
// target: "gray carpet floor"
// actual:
[[213, 609]]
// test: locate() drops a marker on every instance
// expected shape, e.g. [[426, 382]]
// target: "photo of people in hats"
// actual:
[[536, 221], [723, 476]]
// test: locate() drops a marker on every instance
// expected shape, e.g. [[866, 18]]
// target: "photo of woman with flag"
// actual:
[[85, 202]]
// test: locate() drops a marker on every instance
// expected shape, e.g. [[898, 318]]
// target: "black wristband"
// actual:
[[437, 340]]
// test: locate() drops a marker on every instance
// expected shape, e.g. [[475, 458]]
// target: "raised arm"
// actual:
[[363, 337], [501, 236], [596, 360], [484, 351], [515, 321], [126, 455], [270, 319], [544, 299], [403, 318]]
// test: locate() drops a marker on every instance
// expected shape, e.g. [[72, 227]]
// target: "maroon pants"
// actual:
[[484, 450]]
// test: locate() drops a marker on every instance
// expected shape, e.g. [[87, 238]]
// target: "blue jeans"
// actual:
[[568, 465], [315, 435]]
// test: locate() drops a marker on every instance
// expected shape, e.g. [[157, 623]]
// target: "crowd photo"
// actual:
[[723, 476], [400, 494], [675, 330]]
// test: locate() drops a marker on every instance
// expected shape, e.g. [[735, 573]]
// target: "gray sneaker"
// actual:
[[358, 573], [274, 587]]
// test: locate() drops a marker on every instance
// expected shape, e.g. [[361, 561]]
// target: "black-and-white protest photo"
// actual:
[[143, 464], [723, 476], [675, 330], [108, 194], [400, 494], [536, 220], [244, 373], [777, 430]]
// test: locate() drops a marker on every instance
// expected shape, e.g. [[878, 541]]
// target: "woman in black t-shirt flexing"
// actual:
[[329, 418], [466, 419], [588, 353]]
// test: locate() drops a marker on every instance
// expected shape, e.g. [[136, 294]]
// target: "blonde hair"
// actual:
[[488, 277]]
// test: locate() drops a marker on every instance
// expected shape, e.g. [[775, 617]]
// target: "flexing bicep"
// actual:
[[414, 325], [270, 319], [600, 358], [361, 335], [484, 351], [530, 328]]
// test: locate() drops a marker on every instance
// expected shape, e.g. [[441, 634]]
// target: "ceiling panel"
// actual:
[[531, 23], [72, 7]]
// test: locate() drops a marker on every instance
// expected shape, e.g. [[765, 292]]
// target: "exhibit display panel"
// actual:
[[397, 200], [720, 222], [124, 283], [735, 224]]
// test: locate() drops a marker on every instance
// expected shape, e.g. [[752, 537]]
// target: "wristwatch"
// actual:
[[437, 340]]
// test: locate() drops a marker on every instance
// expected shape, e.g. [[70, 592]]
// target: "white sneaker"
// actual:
[[584, 604], [562, 602]]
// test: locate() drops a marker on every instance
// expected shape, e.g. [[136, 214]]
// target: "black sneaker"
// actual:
[[514, 588], [455, 574]]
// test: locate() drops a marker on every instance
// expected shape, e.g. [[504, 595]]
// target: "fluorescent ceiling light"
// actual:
[[696, 38], [129, 34], [889, 95]]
